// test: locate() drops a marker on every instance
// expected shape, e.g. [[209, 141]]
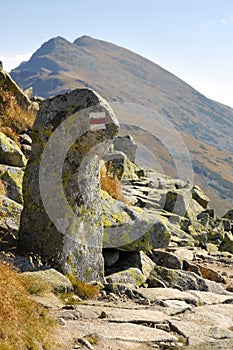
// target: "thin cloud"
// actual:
[[10, 62], [221, 21]]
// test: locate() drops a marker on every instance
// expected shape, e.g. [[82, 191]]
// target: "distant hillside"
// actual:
[[122, 76]]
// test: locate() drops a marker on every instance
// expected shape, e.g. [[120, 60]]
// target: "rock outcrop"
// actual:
[[12, 165], [67, 229], [7, 83]]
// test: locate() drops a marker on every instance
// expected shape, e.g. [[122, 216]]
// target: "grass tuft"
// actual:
[[23, 323], [13, 118], [82, 289], [110, 183]]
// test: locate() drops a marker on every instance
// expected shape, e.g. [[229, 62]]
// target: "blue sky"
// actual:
[[191, 38]]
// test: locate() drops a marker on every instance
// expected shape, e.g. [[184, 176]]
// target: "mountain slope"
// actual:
[[121, 75]]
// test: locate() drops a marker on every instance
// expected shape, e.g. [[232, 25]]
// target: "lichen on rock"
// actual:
[[61, 184]]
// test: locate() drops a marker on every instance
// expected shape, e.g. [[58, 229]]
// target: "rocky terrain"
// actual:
[[160, 257]]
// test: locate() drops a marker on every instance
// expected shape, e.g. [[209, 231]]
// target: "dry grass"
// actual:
[[2, 189], [23, 323], [82, 289], [110, 183], [13, 118]]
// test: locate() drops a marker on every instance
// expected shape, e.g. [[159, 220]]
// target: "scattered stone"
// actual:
[[25, 139], [127, 145], [211, 212], [156, 294], [27, 150], [154, 282], [132, 276], [12, 180], [86, 343], [10, 212], [203, 218], [187, 266], [68, 307], [130, 228], [229, 215], [227, 224], [165, 259], [49, 301], [8, 84], [10, 153], [185, 280], [61, 321], [200, 197], [227, 243], [103, 314], [183, 253], [53, 278]]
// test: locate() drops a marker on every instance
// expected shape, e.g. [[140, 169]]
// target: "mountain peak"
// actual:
[[84, 40], [52, 44]]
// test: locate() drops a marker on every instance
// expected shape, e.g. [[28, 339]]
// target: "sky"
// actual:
[[192, 39]]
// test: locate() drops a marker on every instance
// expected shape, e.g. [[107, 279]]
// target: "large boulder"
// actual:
[[61, 183], [10, 153], [132, 228]]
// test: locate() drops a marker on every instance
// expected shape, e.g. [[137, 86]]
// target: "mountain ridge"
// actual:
[[120, 75]]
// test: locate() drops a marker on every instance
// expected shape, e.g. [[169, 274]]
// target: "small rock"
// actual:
[[226, 224], [103, 315], [27, 150], [10, 153], [211, 212], [187, 266], [61, 321], [224, 273], [164, 327], [227, 243], [113, 296], [132, 275], [68, 307], [25, 139], [86, 343], [143, 301], [53, 278], [166, 259], [9, 222], [200, 197], [154, 282], [183, 253], [127, 145], [229, 215]]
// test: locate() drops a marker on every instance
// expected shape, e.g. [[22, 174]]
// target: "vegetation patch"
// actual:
[[13, 118], [24, 324], [82, 289], [110, 183]]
